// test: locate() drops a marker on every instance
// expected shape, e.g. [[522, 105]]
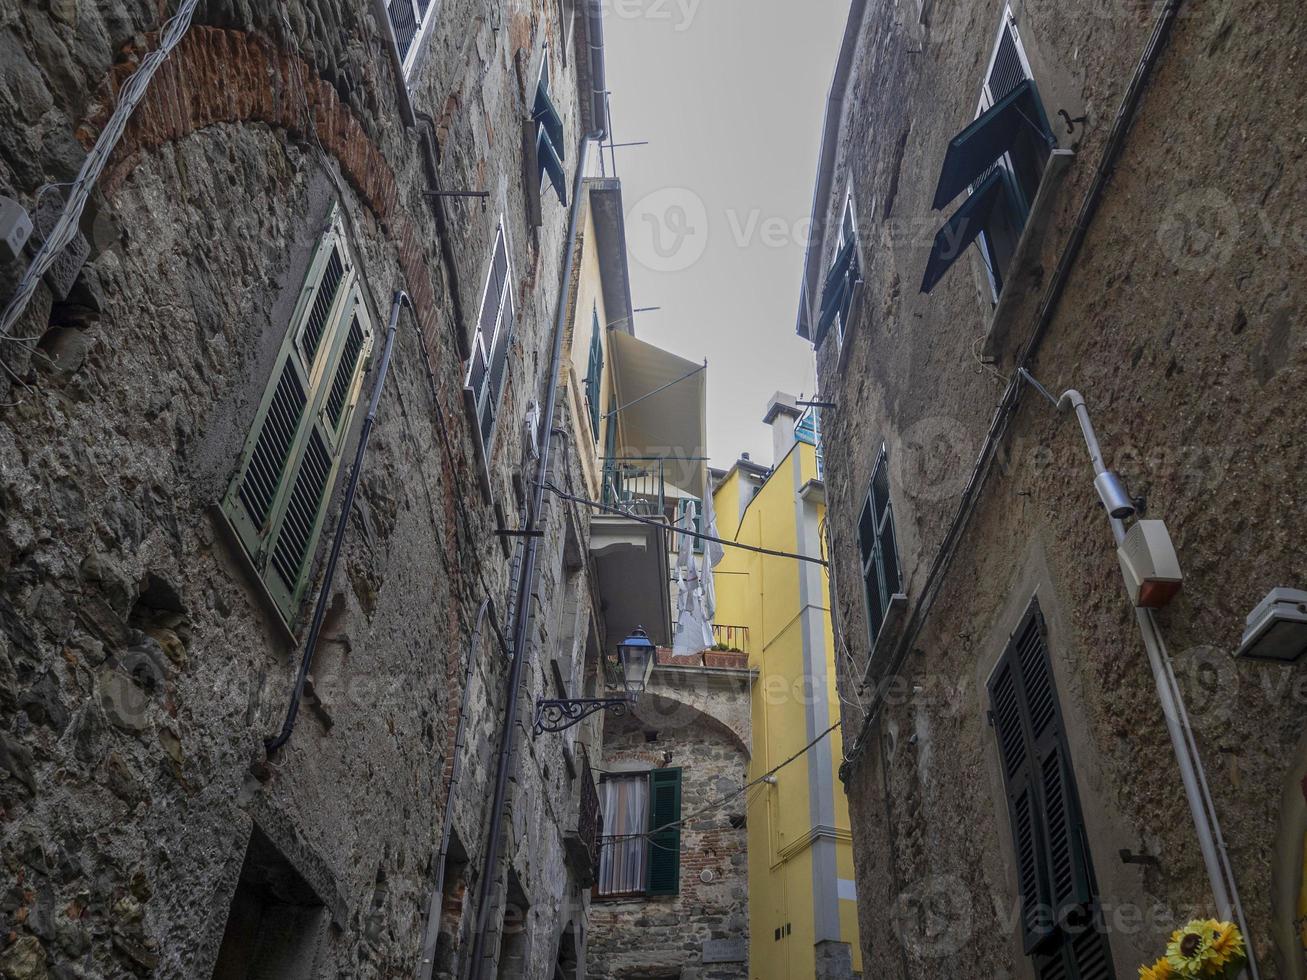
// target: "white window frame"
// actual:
[[1008, 22], [849, 215], [423, 22], [487, 347]]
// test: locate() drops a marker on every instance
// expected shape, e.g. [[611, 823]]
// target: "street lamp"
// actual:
[[635, 655]]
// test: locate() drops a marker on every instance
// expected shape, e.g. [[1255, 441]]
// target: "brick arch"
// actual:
[[217, 76]]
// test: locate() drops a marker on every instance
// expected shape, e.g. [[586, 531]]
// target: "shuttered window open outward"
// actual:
[[550, 148], [843, 275], [594, 376], [1060, 925], [879, 549], [277, 499], [664, 845], [408, 19], [488, 363]]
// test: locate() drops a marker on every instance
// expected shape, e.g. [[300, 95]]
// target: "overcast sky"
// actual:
[[730, 95]]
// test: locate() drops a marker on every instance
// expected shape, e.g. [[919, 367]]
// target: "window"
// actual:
[[844, 274], [640, 804], [999, 159], [594, 376], [486, 366], [879, 550], [277, 501], [409, 19], [549, 145], [1060, 926]]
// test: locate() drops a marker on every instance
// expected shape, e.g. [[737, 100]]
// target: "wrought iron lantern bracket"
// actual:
[[556, 715]]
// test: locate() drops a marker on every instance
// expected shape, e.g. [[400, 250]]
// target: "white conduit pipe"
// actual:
[[129, 97], [1211, 842]]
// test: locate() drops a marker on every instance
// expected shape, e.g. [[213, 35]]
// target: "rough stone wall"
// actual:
[[669, 936], [1179, 325], [140, 669]]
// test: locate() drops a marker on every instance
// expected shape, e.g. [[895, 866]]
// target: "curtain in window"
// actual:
[[625, 806]]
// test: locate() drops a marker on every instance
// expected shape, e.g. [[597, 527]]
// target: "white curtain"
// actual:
[[624, 801]]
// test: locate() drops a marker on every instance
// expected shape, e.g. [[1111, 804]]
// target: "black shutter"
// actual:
[[664, 845], [1059, 917]]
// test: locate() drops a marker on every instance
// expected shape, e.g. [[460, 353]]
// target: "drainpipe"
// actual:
[[1211, 842], [431, 162], [272, 745], [427, 962], [526, 586]]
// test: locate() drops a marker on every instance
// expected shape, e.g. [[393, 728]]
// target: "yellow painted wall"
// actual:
[[762, 593]]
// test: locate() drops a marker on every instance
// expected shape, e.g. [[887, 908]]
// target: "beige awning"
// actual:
[[671, 425]]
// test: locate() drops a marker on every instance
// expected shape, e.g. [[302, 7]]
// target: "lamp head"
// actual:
[[636, 655], [1112, 492]]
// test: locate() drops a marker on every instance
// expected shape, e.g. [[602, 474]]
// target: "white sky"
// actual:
[[730, 95]]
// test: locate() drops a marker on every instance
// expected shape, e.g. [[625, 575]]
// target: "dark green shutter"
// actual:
[[277, 499], [664, 845], [1059, 916], [879, 548], [594, 377]]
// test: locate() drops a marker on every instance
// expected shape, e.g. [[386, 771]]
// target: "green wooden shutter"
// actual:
[[1060, 922], [594, 376], [664, 845], [276, 500]]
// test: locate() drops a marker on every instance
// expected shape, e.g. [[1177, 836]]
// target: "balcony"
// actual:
[[730, 639], [657, 460], [582, 843]]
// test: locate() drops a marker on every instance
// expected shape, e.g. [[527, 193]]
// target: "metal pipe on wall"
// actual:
[[522, 615], [427, 961], [272, 745], [1211, 842]]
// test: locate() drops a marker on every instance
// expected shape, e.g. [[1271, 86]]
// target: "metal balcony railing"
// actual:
[[636, 486], [732, 638], [582, 845]]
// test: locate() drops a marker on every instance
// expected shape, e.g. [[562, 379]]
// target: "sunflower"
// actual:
[[1189, 952], [1161, 970], [1225, 944]]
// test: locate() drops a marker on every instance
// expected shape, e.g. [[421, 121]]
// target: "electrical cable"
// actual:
[[719, 803], [129, 97], [654, 522]]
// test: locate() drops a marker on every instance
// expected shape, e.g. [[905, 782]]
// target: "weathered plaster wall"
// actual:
[[1180, 326]]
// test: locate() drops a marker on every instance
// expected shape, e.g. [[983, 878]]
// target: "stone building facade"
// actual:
[[1142, 245], [691, 725], [291, 168]]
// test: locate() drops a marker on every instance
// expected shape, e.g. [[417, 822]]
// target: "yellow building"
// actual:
[[802, 904]]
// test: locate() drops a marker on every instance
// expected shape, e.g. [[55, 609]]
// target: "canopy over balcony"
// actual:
[[662, 402]]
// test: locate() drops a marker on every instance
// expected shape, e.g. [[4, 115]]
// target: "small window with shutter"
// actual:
[[487, 365], [844, 274], [550, 149], [594, 376], [998, 160], [664, 840], [878, 548], [1060, 923], [277, 500], [410, 20]]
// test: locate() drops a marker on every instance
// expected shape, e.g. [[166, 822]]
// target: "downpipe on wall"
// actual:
[[522, 616], [1211, 842], [427, 961], [274, 744]]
